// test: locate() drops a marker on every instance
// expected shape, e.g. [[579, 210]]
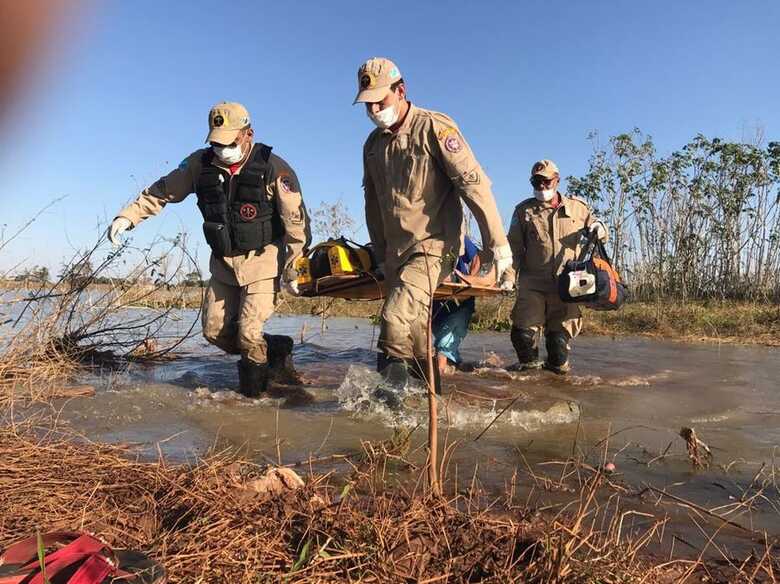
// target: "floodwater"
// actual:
[[637, 392]]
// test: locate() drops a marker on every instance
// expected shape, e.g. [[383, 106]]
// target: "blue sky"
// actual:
[[124, 92]]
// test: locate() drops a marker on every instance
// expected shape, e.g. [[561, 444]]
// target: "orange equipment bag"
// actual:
[[591, 280]]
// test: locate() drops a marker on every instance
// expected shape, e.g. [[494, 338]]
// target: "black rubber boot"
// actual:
[[557, 353], [252, 378], [280, 363], [526, 344], [418, 368], [395, 376], [394, 370]]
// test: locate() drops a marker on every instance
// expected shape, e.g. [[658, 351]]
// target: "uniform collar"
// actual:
[[563, 206], [406, 124]]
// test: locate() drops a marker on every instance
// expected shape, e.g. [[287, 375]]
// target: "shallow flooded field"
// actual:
[[637, 393]]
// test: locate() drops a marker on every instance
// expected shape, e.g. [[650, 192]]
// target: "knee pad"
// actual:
[[557, 348], [279, 348], [525, 343]]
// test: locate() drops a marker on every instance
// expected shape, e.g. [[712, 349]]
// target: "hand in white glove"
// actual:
[[598, 228], [502, 259], [506, 285], [291, 287], [117, 227]]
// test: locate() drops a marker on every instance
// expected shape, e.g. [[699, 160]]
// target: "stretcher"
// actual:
[[369, 287]]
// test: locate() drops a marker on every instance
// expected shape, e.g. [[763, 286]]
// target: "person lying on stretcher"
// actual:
[[451, 318]]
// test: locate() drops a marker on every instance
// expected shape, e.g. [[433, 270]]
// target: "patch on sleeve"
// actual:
[[288, 185], [451, 139], [453, 144], [471, 177]]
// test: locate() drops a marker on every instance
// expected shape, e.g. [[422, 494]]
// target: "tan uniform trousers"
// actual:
[[539, 309], [233, 317], [403, 331]]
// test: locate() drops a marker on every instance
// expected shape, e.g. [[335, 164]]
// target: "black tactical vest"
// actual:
[[247, 221]]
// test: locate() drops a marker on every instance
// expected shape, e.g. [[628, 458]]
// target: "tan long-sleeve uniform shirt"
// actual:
[[414, 179], [241, 268], [544, 237]]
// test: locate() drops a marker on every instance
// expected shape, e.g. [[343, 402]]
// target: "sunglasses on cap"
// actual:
[[541, 181]]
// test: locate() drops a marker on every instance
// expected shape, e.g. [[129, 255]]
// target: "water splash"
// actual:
[[630, 381], [358, 394], [562, 412], [205, 397]]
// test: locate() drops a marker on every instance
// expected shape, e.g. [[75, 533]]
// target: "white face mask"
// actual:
[[384, 118], [229, 154], [544, 196]]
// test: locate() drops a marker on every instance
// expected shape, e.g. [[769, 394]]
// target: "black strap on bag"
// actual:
[[320, 264], [593, 244], [368, 249], [607, 292], [349, 245]]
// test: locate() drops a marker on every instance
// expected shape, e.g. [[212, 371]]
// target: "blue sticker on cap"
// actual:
[[394, 73]]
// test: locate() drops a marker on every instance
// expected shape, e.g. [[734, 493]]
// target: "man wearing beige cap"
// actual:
[[254, 221], [545, 233], [417, 168]]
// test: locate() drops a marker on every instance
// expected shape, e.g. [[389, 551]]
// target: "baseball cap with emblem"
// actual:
[[226, 119], [545, 168], [374, 78]]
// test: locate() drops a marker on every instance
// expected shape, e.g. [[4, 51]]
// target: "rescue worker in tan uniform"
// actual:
[[255, 223], [546, 232], [417, 168]]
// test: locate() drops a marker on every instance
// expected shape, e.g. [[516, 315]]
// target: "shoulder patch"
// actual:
[[471, 177], [450, 138], [287, 183], [446, 131], [182, 164], [453, 144]]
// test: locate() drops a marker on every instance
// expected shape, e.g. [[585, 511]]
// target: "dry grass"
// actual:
[[723, 322], [726, 322], [52, 330], [205, 524], [33, 368]]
